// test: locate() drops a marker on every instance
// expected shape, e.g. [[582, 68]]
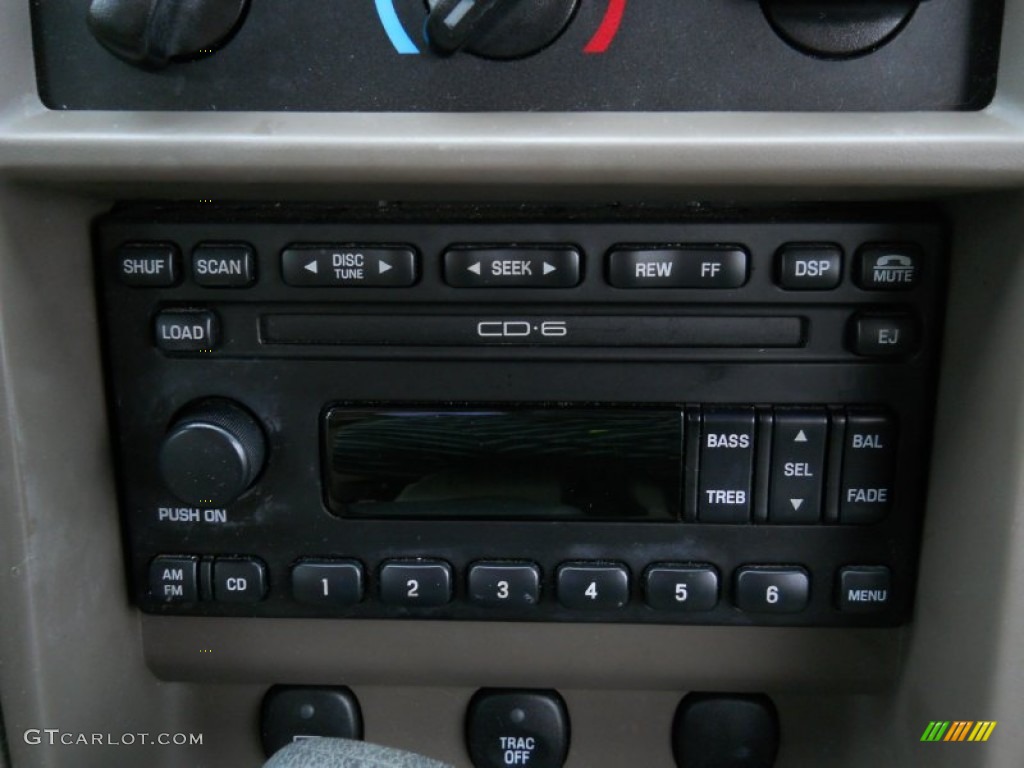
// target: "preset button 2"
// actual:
[[416, 584]]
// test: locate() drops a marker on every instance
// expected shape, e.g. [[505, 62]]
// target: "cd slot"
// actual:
[[534, 330]]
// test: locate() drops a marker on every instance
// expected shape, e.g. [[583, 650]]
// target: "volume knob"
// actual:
[[212, 453]]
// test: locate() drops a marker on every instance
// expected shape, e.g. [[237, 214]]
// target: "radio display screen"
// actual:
[[507, 463]]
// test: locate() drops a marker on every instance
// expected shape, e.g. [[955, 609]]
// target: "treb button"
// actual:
[[683, 267], [512, 267], [726, 466], [349, 266]]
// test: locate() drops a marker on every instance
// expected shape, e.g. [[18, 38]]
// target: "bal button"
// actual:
[[510, 728]]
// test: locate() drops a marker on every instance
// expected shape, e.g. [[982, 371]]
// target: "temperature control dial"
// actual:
[[496, 29], [212, 454]]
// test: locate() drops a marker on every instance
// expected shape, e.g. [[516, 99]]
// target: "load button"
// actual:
[[187, 330]]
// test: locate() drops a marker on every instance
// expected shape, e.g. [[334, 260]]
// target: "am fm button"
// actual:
[[173, 579]]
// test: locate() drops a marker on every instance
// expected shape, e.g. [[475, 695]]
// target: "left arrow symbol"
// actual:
[[311, 267]]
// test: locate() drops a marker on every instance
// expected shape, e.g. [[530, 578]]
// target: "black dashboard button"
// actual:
[[187, 330], [864, 588], [726, 466], [885, 335], [685, 267], [504, 585], [239, 581], [798, 466], [593, 587], [148, 265], [337, 582], [715, 730], [889, 267], [809, 267], [300, 712], [416, 584], [217, 265], [869, 467], [173, 579], [517, 728], [772, 589], [348, 266], [681, 587], [512, 267]]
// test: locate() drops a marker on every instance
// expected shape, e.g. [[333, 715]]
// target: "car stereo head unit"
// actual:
[[521, 414]]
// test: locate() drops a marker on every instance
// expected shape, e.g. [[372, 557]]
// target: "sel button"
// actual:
[[798, 466]]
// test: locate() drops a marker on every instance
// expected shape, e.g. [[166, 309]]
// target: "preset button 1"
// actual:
[[331, 582]]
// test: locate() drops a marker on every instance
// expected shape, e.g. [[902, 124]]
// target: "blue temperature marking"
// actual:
[[396, 32]]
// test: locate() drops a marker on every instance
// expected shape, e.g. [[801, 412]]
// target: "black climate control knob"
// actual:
[[212, 453], [152, 33], [496, 29]]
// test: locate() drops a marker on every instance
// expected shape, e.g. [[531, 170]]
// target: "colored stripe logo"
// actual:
[[959, 730]]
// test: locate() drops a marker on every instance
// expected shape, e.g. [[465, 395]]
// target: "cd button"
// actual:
[[682, 588], [328, 583], [593, 587], [348, 266], [504, 585], [690, 267], [772, 589], [239, 581], [527, 267], [420, 584]]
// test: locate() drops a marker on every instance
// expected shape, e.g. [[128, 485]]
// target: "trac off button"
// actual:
[[517, 728]]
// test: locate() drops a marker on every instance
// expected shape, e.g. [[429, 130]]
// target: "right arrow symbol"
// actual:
[[548, 268], [797, 503], [474, 268], [800, 437]]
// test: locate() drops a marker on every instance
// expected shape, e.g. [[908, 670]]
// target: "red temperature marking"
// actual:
[[609, 28]]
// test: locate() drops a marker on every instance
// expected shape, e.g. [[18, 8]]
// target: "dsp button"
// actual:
[[688, 267], [348, 266], [726, 466], [772, 589], [798, 466], [517, 728], [470, 267], [869, 467], [223, 266], [808, 267], [187, 330], [889, 267], [239, 581], [148, 265]]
